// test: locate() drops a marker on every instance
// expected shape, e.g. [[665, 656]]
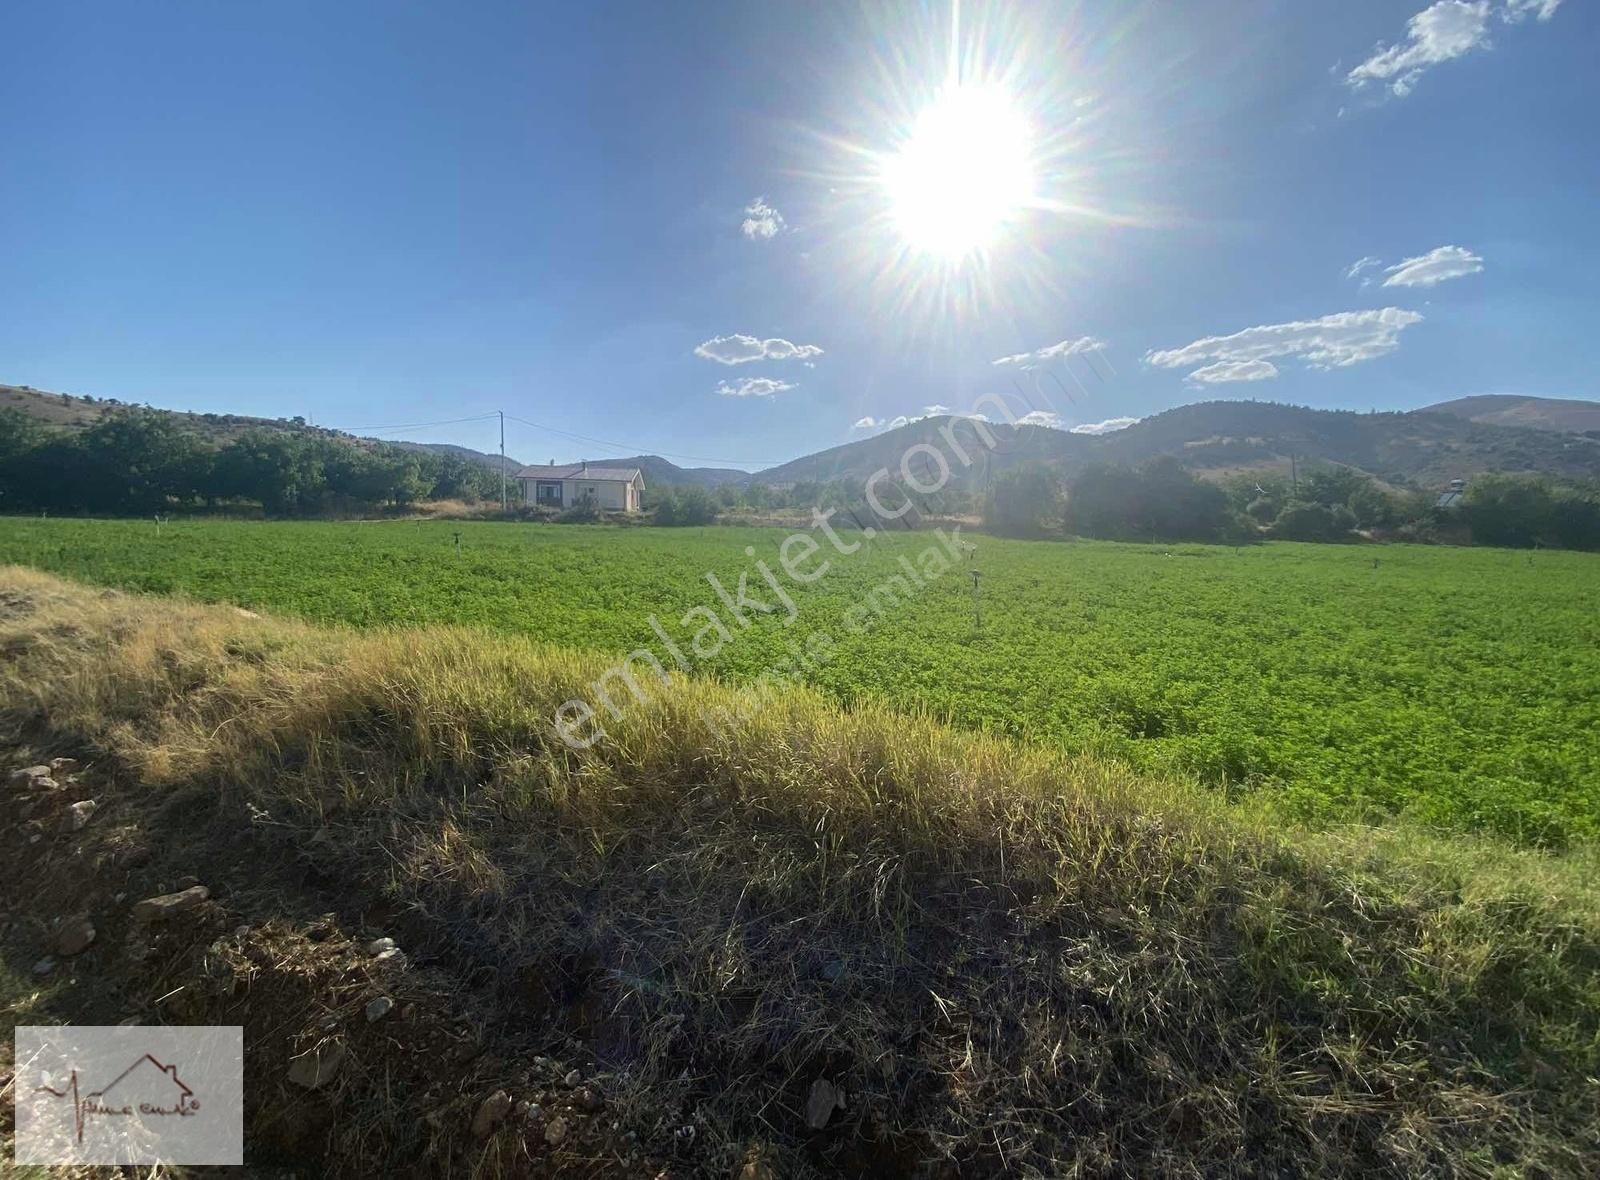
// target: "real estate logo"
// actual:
[[116, 1095]]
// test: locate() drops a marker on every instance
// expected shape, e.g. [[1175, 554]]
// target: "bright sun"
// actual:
[[962, 173]]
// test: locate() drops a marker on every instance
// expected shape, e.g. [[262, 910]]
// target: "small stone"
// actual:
[[379, 1008], [378, 945], [80, 813], [393, 955], [534, 1113], [65, 766], [318, 1067], [556, 1132], [159, 909], [573, 1078], [589, 1099], [188, 882], [44, 966], [75, 936], [824, 1098], [29, 776], [491, 1113]]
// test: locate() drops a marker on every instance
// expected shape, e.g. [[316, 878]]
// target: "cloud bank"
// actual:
[[1439, 33], [1427, 270], [1027, 360], [1106, 427], [753, 387], [740, 349], [1332, 342]]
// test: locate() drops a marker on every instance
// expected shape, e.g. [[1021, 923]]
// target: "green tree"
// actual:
[[1023, 502]]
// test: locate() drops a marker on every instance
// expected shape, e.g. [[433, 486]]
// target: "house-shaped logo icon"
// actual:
[[146, 1089]]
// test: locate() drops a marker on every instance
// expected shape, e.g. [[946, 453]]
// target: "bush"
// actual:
[[585, 511], [687, 506], [1300, 521]]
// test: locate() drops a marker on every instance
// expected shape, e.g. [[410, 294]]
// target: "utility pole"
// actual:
[[502, 461]]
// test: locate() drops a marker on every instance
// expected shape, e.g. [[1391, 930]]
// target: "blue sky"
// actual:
[[388, 213]]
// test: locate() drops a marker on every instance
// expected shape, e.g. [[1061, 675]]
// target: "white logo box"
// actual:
[[88, 1094]]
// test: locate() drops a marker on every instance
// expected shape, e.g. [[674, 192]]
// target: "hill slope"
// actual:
[[66, 411], [1512, 409], [1424, 448], [1429, 448], [659, 472]]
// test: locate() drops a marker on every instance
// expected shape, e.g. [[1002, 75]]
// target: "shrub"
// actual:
[[1300, 521]]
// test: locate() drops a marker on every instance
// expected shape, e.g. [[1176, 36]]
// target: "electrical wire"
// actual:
[[412, 425]]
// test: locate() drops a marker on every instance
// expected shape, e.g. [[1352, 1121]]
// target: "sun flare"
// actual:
[[964, 171]]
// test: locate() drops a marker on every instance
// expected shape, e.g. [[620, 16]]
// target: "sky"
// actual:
[[736, 233]]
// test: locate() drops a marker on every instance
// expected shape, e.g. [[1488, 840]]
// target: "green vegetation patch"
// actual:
[[1460, 686]]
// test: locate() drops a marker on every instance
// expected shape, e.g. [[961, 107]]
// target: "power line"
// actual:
[[413, 425], [639, 450]]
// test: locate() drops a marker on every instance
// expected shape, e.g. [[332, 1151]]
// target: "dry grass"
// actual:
[[1009, 961]]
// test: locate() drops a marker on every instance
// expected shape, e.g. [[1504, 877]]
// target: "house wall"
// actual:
[[608, 494]]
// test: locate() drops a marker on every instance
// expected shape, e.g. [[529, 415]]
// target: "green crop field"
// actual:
[[1461, 686]]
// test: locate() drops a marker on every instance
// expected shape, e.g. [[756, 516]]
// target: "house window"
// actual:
[[547, 492]]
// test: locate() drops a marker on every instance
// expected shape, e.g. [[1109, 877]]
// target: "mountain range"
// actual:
[[1429, 447]]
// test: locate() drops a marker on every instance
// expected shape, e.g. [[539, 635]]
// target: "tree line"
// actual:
[[137, 461], [1161, 501]]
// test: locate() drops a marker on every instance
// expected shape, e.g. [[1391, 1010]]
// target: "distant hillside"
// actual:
[[1424, 448], [662, 473], [1512, 409], [490, 461], [72, 412], [855, 461]]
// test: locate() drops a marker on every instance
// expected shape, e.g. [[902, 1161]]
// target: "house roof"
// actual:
[[579, 471]]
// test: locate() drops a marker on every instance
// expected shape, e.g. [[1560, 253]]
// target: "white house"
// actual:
[[562, 485]]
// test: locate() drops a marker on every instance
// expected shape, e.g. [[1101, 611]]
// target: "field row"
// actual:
[[1460, 685]]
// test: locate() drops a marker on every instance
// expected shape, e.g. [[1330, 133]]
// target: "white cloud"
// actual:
[[1225, 371], [1515, 10], [1027, 360], [1364, 264], [935, 411], [761, 221], [1332, 342], [1426, 270], [1047, 418], [867, 423], [1439, 33], [1106, 427], [895, 423], [753, 387], [739, 349]]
